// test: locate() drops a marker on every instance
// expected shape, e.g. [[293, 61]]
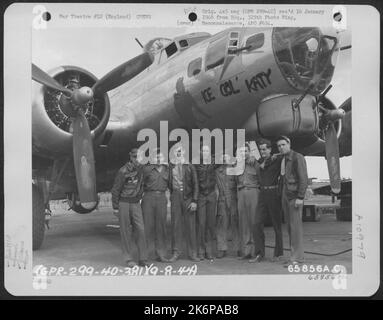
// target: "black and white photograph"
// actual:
[[219, 144]]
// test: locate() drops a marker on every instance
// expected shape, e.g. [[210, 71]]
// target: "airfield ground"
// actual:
[[93, 240]]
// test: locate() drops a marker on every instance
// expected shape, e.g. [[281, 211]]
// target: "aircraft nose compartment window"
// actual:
[[303, 55]]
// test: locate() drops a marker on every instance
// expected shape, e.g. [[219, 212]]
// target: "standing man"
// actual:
[[126, 196], [207, 202], [269, 203], [154, 203], [248, 192], [294, 185], [183, 185], [227, 212]]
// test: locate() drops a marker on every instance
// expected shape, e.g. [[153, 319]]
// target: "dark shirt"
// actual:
[[206, 178], [250, 176], [270, 171], [155, 180]]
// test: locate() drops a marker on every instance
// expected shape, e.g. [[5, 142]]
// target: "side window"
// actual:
[[233, 42], [194, 67], [171, 49], [256, 41], [183, 43], [216, 53]]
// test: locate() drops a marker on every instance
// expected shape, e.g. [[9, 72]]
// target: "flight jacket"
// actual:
[[295, 181], [189, 181], [128, 185]]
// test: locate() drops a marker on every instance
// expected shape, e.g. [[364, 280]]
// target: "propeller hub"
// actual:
[[82, 96], [334, 115]]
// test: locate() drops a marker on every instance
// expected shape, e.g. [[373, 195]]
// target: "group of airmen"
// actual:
[[211, 203]]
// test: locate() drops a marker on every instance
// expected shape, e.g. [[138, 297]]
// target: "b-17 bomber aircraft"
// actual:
[[268, 81]]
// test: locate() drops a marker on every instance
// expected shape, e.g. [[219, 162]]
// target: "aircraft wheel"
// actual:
[[75, 205], [38, 222]]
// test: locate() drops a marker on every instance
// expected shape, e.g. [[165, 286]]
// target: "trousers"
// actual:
[[183, 222], [227, 222], [247, 205], [206, 223], [131, 223], [154, 208], [269, 203], [293, 216]]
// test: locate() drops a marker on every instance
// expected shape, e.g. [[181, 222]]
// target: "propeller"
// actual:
[[331, 142], [75, 103]]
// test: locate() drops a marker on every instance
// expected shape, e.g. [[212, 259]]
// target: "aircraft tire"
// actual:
[[38, 222]]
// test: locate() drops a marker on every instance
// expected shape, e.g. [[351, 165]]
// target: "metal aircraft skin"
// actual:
[[265, 80]]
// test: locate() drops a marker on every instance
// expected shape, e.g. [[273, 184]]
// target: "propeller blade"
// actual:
[[332, 156], [45, 79], [83, 158], [123, 73]]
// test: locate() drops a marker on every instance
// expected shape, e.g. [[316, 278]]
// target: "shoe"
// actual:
[[143, 263], [246, 257], [201, 257], [173, 258], [277, 259], [162, 259], [130, 264], [209, 256], [257, 258], [195, 258], [221, 254]]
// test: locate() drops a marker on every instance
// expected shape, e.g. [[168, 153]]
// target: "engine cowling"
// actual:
[[278, 116], [51, 122]]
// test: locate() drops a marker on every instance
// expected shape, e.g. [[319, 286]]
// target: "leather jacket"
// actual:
[[189, 181], [128, 185], [295, 181]]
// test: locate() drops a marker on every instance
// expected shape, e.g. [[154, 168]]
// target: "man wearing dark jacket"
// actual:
[[126, 195], [207, 202], [294, 185], [183, 186], [269, 203]]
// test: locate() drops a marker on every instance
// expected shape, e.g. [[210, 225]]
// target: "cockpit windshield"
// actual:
[[305, 57]]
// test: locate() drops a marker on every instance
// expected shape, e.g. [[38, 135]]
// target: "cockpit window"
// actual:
[[255, 42], [171, 49], [215, 55], [183, 43]]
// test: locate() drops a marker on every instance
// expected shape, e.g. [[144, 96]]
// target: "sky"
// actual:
[[99, 50]]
